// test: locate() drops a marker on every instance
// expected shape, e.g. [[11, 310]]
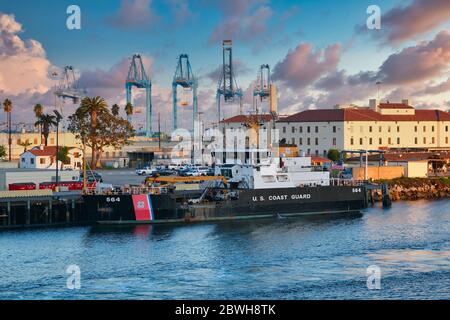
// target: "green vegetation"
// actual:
[[2, 151], [63, 155], [94, 124], [334, 155], [46, 121]]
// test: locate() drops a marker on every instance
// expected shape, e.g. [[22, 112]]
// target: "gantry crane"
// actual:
[[137, 77], [185, 78], [265, 90], [68, 86], [228, 87]]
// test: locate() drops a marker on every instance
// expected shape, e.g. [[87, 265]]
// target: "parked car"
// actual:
[[197, 172], [166, 172], [146, 171], [91, 176]]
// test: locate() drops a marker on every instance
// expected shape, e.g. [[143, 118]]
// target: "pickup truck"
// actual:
[[146, 171]]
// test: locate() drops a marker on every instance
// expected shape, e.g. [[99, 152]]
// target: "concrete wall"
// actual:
[[377, 173], [417, 169]]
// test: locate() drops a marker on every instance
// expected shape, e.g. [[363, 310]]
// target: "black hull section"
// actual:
[[260, 203]]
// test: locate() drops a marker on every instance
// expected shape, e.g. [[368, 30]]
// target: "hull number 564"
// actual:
[[356, 190]]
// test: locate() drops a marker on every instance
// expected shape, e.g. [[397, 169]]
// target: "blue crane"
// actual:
[[185, 78], [262, 87], [137, 77], [68, 86], [228, 87]]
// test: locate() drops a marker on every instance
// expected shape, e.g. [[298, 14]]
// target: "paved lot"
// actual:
[[121, 177]]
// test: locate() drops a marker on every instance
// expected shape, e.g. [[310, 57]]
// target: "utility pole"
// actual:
[[58, 119], [159, 131]]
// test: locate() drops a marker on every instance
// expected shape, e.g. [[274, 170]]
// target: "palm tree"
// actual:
[[25, 145], [7, 107], [129, 111], [38, 112], [93, 107], [46, 121], [115, 110]]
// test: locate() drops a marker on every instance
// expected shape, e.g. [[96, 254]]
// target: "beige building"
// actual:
[[381, 126]]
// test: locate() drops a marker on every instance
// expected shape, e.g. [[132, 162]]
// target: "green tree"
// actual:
[[98, 128], [334, 155], [129, 109], [7, 107], [115, 110], [46, 121], [63, 155], [25, 145], [38, 112], [2, 151]]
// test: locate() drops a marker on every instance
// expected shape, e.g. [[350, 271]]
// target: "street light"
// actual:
[[59, 117]]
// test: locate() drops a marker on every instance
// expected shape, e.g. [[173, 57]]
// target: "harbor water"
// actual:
[[321, 257]]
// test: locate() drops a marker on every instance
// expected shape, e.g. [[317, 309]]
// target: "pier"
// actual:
[[38, 208]]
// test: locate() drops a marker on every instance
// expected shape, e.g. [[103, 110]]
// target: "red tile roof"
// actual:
[[47, 151], [405, 156], [244, 118], [390, 105], [333, 115]]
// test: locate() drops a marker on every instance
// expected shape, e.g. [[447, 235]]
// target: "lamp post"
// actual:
[[58, 119]]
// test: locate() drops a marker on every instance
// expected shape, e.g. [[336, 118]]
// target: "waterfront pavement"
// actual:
[[121, 177]]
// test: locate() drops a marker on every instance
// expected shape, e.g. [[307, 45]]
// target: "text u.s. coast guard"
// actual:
[[282, 197]]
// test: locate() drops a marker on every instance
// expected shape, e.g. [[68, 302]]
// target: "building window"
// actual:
[[351, 141], [432, 139], [317, 152], [432, 128], [284, 129], [42, 160], [415, 140], [389, 129], [309, 129], [424, 129], [334, 141], [317, 129], [293, 140], [446, 128], [446, 140], [52, 140], [398, 128], [309, 151], [424, 140], [415, 128], [317, 141], [23, 159], [389, 141], [293, 129], [370, 129], [32, 160], [370, 141], [334, 129], [380, 141], [300, 129], [324, 153], [309, 141], [379, 129], [300, 141], [360, 141], [398, 140]]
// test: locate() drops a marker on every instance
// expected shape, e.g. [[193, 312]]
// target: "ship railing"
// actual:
[[130, 191], [346, 182]]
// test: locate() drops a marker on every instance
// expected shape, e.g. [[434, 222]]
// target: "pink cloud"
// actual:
[[419, 17], [133, 14], [303, 66]]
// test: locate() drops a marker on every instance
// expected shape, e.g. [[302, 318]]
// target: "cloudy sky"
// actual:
[[321, 53]]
